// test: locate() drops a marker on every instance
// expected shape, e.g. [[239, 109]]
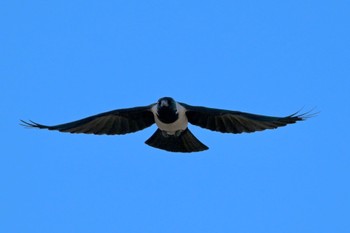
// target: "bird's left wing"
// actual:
[[119, 121], [226, 121]]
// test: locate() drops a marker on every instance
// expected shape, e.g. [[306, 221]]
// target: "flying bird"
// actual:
[[172, 118]]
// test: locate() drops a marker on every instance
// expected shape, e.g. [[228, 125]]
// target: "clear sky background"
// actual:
[[65, 60]]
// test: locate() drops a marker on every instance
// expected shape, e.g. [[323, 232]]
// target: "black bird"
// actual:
[[172, 119]]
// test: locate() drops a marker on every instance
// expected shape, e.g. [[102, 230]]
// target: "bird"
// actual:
[[172, 119]]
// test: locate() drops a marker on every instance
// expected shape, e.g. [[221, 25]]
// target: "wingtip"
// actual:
[[28, 124], [306, 115], [31, 124]]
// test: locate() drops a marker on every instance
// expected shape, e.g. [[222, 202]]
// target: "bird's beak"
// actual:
[[164, 103]]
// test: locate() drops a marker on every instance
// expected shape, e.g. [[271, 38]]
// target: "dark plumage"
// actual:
[[172, 119]]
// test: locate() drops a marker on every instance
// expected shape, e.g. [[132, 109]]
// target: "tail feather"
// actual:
[[185, 142]]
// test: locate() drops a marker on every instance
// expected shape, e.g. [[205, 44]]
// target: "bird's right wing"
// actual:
[[119, 121], [227, 121]]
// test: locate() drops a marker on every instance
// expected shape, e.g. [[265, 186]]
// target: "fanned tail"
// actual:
[[185, 142]]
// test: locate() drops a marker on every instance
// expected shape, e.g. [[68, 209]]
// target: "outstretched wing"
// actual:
[[226, 121], [120, 121]]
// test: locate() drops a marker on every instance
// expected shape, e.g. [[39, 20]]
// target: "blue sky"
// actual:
[[65, 60]]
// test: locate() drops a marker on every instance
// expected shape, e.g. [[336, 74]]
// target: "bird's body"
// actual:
[[172, 120]]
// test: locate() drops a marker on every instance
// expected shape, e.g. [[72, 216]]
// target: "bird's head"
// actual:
[[166, 110], [166, 103]]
